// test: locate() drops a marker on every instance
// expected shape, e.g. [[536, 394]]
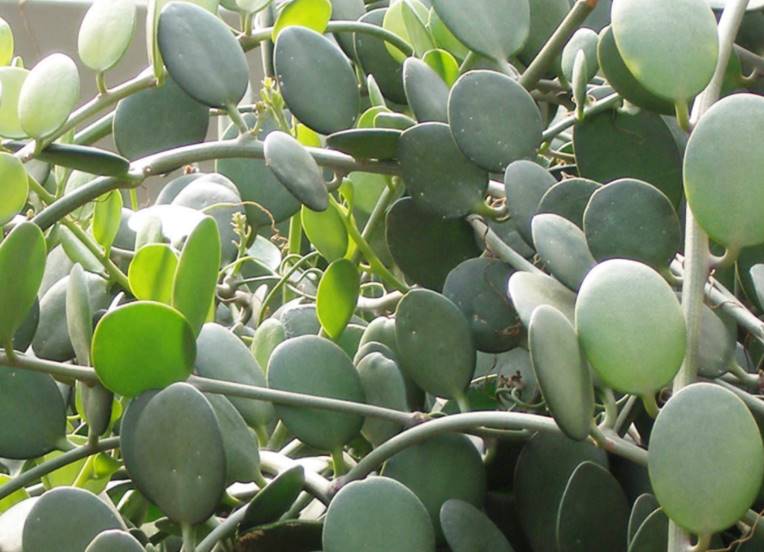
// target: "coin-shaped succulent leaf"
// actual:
[[529, 291], [377, 515], [114, 540], [106, 32], [525, 183], [435, 343], [13, 194], [317, 80], [11, 81], [705, 429], [141, 346], [583, 40], [562, 247], [426, 92], [494, 120], [630, 326], [670, 47], [467, 529], [296, 169], [316, 366], [722, 181], [202, 55], [48, 95]]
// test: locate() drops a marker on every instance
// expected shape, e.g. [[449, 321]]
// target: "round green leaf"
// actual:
[[702, 428], [593, 511], [151, 273], [493, 137], [529, 291], [13, 194], [376, 60], [583, 40], [114, 540], [165, 355], [48, 95], [631, 219], [617, 145], [220, 355], [494, 28], [6, 42], [317, 80], [202, 55], [313, 14], [267, 337], [467, 529], [670, 47], [561, 371], [652, 535], [347, 10], [644, 505], [719, 180], [37, 410], [326, 231], [270, 201], [362, 514], [622, 80], [541, 475], [239, 442], [105, 33], [435, 343], [568, 199], [383, 385], [66, 520], [444, 467], [178, 459], [22, 261], [337, 296], [316, 366], [106, 218], [479, 288], [426, 92], [9, 502], [158, 119], [366, 143], [630, 326], [438, 176], [296, 169], [562, 248], [444, 65], [22, 339], [79, 315], [275, 499], [407, 19], [193, 290], [11, 81], [525, 183]]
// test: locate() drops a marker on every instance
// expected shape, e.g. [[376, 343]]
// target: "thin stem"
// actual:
[[496, 245], [556, 42], [609, 441], [225, 529], [273, 462], [284, 279], [30, 476], [187, 530], [339, 466], [95, 131], [605, 104]]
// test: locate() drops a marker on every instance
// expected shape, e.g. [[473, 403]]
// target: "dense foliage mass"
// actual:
[[467, 276]]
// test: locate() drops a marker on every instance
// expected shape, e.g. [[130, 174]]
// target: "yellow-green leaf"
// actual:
[[106, 218], [152, 272], [337, 296], [313, 14]]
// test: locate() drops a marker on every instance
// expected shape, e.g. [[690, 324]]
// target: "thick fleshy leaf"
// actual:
[[193, 290], [467, 529], [316, 366], [494, 120], [35, 412], [67, 519], [11, 81], [296, 169], [178, 459], [529, 291], [79, 315], [317, 80], [13, 194], [561, 371], [479, 288], [525, 183], [670, 47], [444, 467], [541, 475], [6, 43], [376, 59], [158, 119], [362, 514], [631, 219], [384, 386], [366, 143], [222, 356], [719, 179], [568, 199], [705, 429], [643, 506], [652, 535], [313, 14], [105, 33], [494, 28], [444, 65], [275, 499], [22, 264], [435, 343], [437, 175], [239, 442], [617, 145], [152, 271], [48, 95], [562, 247], [583, 40], [347, 10], [593, 511], [114, 540], [426, 91], [408, 20], [106, 218], [87, 159], [165, 353], [268, 336], [202, 55], [337, 296], [326, 231], [630, 326]]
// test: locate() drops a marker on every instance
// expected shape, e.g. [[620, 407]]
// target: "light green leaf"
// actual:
[[313, 14], [14, 189], [337, 296], [152, 271], [106, 32], [48, 95], [106, 218]]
